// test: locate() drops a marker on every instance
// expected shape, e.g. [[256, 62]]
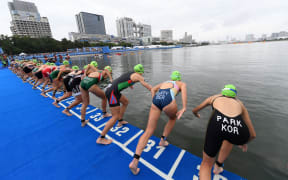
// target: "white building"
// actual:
[[127, 28], [92, 38], [166, 35], [283, 34], [186, 39], [26, 20], [143, 30], [250, 37], [147, 40]]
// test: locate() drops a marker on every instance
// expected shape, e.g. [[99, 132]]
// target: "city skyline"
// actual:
[[212, 21]]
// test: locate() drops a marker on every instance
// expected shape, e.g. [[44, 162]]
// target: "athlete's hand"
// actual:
[[244, 147], [180, 113], [196, 114]]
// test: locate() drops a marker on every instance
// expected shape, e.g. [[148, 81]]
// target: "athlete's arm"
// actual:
[[59, 74], [155, 89], [87, 69], [184, 100], [205, 103], [136, 77], [109, 75], [248, 122], [78, 72]]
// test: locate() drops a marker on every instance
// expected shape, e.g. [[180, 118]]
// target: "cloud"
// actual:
[[209, 26], [204, 19]]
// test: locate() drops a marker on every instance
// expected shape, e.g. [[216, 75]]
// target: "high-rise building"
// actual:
[[90, 23], [126, 27], [167, 35], [26, 20], [143, 30], [250, 37], [186, 39]]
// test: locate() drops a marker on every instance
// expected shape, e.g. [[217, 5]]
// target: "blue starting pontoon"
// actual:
[[40, 142]]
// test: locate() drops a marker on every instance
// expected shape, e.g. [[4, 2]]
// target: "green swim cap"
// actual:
[[108, 68], [75, 68], [94, 63], [85, 66], [52, 64], [229, 90], [66, 62], [47, 63], [175, 76], [38, 64], [35, 60], [139, 68]]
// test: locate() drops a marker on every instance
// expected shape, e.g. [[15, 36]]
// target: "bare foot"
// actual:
[[133, 167], [43, 94], [244, 147], [65, 111], [107, 115], [121, 123], [103, 141], [56, 104], [33, 87], [163, 143], [217, 169], [53, 97], [84, 123]]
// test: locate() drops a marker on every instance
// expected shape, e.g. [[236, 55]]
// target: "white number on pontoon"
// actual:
[[152, 143], [119, 133], [216, 177], [124, 130], [96, 117]]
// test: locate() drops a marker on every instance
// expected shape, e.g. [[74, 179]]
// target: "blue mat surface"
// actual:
[[40, 142]]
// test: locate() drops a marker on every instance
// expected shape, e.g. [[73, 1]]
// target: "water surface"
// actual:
[[258, 70]]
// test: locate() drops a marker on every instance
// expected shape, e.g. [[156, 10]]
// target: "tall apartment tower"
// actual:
[[187, 38], [126, 27], [143, 30], [167, 35], [26, 20], [90, 23], [250, 37]]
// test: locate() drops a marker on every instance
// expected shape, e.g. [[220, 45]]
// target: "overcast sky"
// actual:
[[205, 19]]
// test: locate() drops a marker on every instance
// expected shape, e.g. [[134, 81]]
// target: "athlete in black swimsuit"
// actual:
[[229, 125], [114, 97]]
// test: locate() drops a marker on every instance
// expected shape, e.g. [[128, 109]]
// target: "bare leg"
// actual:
[[124, 101], [151, 126], [225, 150], [85, 103], [115, 116], [39, 82], [78, 100], [43, 87], [66, 95], [55, 86], [206, 166], [36, 81], [170, 111], [46, 81], [99, 93]]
